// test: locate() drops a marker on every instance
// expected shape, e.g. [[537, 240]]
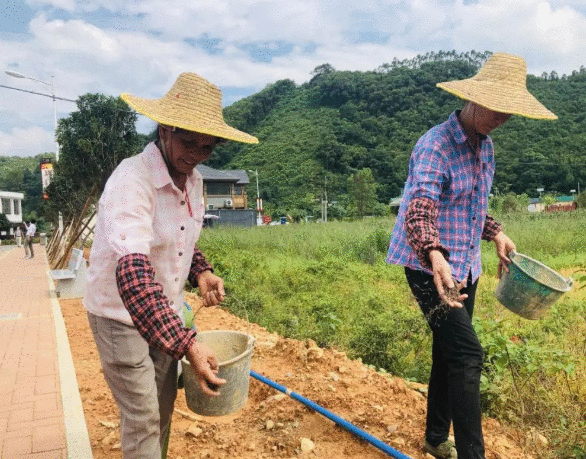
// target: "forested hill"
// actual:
[[323, 131]]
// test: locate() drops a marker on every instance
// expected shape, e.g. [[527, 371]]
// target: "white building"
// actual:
[[11, 206]]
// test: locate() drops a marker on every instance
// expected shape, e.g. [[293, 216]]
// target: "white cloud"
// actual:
[[140, 46], [26, 142]]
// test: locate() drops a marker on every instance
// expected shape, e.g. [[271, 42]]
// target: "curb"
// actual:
[[76, 433]]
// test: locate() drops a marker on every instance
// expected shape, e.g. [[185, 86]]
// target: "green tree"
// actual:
[[362, 193], [4, 223], [93, 140]]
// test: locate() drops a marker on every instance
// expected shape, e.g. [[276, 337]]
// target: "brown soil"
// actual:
[[273, 425]]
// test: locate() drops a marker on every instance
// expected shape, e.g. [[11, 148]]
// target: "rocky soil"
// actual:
[[272, 425]]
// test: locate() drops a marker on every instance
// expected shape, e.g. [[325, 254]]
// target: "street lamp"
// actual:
[[52, 86], [259, 221]]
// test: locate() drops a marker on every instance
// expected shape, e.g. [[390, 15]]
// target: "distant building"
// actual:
[[562, 204], [11, 206], [225, 198], [224, 189]]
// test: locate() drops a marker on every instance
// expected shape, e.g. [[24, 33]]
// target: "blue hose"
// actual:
[[337, 419]]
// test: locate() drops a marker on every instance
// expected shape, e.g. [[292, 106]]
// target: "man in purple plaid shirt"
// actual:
[[442, 219]]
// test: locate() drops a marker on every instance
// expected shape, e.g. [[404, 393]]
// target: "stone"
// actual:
[[194, 431], [315, 353], [109, 424], [108, 439], [307, 445]]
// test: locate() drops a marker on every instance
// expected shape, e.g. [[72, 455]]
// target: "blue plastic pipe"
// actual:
[[337, 419]]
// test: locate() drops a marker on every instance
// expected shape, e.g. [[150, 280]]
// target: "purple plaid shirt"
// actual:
[[445, 202]]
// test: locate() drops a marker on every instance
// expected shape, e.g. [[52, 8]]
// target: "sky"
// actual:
[[141, 46]]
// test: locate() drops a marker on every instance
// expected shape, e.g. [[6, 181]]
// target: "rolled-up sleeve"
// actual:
[[422, 235], [149, 308], [491, 228], [199, 264]]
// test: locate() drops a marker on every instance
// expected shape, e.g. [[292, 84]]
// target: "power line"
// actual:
[[56, 97], [38, 93], [537, 163]]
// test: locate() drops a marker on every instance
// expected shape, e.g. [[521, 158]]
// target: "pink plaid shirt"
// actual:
[[145, 249], [445, 202]]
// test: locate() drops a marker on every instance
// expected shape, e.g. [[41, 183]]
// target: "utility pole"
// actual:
[[259, 221], [326, 199]]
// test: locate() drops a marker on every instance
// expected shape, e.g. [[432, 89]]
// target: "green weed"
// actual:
[[329, 282]]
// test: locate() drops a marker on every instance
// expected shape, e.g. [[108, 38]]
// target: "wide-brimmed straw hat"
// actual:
[[193, 104], [500, 85]]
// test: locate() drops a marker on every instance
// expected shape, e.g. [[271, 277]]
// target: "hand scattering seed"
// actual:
[[441, 310]]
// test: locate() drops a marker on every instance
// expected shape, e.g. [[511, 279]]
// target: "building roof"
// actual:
[[214, 175], [241, 174], [11, 194]]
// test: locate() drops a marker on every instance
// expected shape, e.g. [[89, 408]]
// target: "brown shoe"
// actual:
[[445, 450]]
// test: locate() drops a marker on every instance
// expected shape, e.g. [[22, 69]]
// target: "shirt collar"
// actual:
[[459, 134], [161, 177]]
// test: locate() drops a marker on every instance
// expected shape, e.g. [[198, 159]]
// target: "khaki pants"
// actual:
[[143, 382], [29, 242]]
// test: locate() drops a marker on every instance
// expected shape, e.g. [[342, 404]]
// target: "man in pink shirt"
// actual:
[[149, 220]]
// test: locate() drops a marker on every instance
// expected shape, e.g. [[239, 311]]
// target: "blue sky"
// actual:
[[140, 46]]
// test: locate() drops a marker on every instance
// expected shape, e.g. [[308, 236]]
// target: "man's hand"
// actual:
[[442, 278], [205, 366], [504, 246], [211, 288]]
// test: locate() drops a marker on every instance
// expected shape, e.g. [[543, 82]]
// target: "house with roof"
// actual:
[[11, 206], [562, 204], [224, 189]]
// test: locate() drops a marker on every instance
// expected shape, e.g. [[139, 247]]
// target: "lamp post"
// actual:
[[259, 221], [52, 86]]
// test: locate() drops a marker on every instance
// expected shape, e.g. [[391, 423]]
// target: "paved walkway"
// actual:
[[40, 407]]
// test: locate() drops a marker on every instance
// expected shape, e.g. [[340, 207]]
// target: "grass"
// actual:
[[329, 282]]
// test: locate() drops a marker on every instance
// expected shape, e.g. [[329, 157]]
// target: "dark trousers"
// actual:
[[454, 383]]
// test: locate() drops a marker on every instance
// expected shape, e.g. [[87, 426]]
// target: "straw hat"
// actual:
[[193, 104], [500, 85]]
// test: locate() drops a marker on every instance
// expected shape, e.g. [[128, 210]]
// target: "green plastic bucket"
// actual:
[[530, 287], [233, 351]]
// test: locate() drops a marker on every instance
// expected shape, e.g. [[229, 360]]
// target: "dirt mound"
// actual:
[[272, 424]]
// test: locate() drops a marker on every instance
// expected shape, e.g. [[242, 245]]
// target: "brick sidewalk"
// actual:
[[32, 420]]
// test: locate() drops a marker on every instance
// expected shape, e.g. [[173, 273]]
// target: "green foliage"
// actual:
[[329, 282], [4, 223], [93, 140], [23, 175], [510, 203], [341, 122], [362, 193]]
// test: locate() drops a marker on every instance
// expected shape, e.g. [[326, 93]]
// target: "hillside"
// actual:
[[314, 136]]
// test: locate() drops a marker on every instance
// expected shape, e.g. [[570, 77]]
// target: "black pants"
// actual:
[[454, 383]]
